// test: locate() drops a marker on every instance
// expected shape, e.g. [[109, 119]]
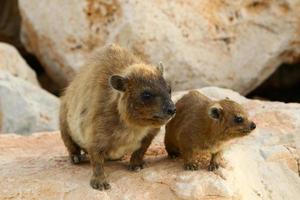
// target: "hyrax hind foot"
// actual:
[[173, 155], [191, 166], [99, 184]]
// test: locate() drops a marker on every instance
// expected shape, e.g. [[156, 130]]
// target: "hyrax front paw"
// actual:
[[136, 166], [213, 166], [99, 184], [191, 166], [78, 158]]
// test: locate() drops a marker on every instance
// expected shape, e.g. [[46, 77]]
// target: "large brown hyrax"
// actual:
[[203, 125], [115, 105]]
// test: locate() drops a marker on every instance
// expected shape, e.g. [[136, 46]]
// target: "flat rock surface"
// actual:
[[263, 165]]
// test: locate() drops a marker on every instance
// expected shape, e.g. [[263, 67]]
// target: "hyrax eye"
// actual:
[[169, 90], [238, 119], [146, 96]]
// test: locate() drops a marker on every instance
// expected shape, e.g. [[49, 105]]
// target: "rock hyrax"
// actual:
[[115, 105], [203, 125]]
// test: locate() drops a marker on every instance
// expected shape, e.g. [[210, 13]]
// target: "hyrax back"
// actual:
[[115, 105], [203, 125]]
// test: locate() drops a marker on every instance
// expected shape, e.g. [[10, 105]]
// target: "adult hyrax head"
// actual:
[[232, 117], [145, 97]]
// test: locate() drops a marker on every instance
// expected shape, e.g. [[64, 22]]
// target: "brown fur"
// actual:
[[102, 111], [203, 125]]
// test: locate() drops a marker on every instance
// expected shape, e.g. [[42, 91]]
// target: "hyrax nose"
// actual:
[[171, 110], [252, 126]]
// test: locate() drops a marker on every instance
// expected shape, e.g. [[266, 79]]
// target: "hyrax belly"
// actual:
[[125, 142], [78, 133]]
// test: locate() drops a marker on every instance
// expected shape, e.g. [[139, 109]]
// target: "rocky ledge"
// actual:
[[264, 165]]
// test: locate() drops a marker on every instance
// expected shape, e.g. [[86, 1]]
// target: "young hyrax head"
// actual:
[[232, 117], [145, 95]]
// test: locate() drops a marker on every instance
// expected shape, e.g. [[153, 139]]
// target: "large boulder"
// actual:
[[11, 61], [26, 108], [263, 165], [233, 44]]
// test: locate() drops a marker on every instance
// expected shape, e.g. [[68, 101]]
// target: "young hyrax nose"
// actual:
[[252, 126]]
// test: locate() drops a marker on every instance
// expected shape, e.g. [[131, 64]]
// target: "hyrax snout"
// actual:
[[204, 125], [115, 105]]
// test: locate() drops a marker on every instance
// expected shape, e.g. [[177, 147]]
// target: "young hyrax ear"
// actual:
[[118, 82], [215, 111], [160, 68]]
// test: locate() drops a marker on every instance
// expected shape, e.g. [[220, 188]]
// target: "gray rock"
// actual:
[[25, 107]]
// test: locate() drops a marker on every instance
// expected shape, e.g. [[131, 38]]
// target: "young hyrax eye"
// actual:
[[238, 119]]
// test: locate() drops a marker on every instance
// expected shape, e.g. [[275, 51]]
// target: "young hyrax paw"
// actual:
[[191, 166]]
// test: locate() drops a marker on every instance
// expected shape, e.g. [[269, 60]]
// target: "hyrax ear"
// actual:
[[160, 68], [215, 111], [118, 82]]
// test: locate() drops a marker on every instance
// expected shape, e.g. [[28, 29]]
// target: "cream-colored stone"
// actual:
[[233, 44], [11, 61]]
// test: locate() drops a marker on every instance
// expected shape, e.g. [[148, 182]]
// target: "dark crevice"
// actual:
[[45, 81], [10, 26], [283, 85]]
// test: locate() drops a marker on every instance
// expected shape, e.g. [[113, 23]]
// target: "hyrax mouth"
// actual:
[[158, 117], [249, 129], [246, 131], [164, 117]]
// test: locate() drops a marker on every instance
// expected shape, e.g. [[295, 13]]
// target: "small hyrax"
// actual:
[[115, 105], [203, 125]]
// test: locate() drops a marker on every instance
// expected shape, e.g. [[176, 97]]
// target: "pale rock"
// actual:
[[151, 176], [11, 61], [194, 187], [233, 44], [214, 93], [263, 165], [26, 108]]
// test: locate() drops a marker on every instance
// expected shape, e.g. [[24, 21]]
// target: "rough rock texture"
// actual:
[[26, 108], [11, 61], [233, 44], [264, 165]]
